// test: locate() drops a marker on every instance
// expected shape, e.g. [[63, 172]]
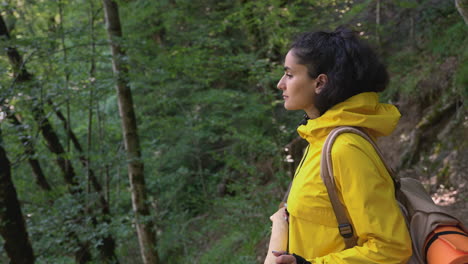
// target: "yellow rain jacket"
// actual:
[[364, 186]]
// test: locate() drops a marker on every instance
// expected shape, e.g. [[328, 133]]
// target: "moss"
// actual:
[[461, 75], [447, 39]]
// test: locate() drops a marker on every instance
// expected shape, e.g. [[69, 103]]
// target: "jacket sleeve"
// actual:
[[367, 191]]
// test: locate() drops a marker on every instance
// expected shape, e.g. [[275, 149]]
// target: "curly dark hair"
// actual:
[[351, 65]]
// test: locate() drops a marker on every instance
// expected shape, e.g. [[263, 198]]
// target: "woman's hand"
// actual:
[[280, 216], [282, 257]]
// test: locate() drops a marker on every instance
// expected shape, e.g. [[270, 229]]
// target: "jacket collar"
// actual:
[[361, 110]]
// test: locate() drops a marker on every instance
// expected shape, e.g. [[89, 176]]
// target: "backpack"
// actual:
[[423, 217]]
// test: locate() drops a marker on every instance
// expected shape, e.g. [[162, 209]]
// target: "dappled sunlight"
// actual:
[[444, 197]]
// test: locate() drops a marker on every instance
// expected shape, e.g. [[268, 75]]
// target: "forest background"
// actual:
[[217, 146]]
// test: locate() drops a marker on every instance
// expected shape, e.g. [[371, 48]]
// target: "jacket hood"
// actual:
[[361, 110]]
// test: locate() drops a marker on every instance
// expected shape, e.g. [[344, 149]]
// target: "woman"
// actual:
[[334, 78]]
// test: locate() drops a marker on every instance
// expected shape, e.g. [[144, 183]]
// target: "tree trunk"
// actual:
[[462, 7], [83, 159], [29, 151], [12, 225], [16, 60], [145, 231], [54, 145]]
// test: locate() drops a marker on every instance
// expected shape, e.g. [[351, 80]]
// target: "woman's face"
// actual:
[[298, 88]]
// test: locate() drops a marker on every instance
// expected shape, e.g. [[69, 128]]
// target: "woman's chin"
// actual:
[[289, 107]]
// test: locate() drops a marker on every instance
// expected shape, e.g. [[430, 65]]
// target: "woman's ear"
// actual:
[[320, 83]]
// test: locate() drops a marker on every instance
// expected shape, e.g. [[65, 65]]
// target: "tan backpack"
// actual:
[[422, 215]]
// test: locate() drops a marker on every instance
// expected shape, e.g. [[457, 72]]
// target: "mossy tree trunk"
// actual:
[[144, 226], [462, 7]]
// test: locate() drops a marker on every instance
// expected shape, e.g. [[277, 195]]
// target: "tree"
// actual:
[[145, 230], [12, 226], [50, 135], [21, 74], [462, 7]]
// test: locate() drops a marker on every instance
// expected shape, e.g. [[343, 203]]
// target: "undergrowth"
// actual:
[[416, 61], [233, 228]]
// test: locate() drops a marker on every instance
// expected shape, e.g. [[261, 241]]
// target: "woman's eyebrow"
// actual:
[[286, 68]]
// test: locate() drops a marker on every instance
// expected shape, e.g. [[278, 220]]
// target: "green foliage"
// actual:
[[446, 39]]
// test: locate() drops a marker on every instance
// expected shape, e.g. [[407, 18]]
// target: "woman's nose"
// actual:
[[281, 84]]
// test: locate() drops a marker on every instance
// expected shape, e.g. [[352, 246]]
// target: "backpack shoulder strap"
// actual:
[[326, 172]]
